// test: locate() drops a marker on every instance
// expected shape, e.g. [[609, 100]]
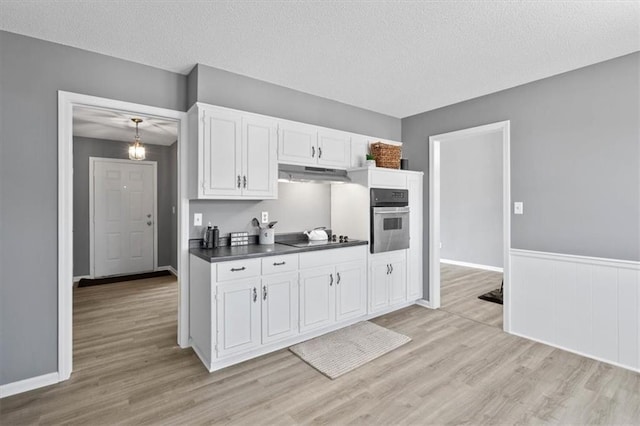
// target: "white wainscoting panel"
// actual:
[[586, 305]]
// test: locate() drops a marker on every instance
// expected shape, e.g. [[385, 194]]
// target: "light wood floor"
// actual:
[[128, 370], [459, 290]]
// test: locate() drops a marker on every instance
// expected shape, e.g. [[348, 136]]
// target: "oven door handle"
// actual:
[[396, 212]]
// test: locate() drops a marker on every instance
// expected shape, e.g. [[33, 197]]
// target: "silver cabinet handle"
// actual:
[[279, 263], [244, 181], [338, 274], [149, 215], [313, 151], [255, 295], [238, 269], [331, 282], [238, 181], [319, 152], [264, 292], [149, 223], [387, 269], [391, 266]]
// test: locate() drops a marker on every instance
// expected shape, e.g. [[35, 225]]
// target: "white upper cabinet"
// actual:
[[307, 145], [297, 143], [259, 158], [334, 148], [237, 155], [221, 153]]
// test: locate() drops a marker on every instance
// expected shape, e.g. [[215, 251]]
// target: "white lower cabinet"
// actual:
[[351, 291], [245, 308], [387, 280], [317, 298], [279, 307], [238, 307]]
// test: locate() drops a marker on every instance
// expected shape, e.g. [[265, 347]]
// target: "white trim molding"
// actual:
[[586, 305], [168, 268], [424, 303], [67, 101], [28, 384], [472, 265], [434, 208]]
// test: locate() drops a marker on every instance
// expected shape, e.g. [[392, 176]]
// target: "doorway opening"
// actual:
[[111, 113], [482, 244]]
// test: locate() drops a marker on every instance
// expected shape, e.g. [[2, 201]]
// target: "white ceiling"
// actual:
[[117, 126], [395, 57]]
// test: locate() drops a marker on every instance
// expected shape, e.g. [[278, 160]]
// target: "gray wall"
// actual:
[[471, 199], [31, 73], [300, 206], [219, 87], [166, 158], [575, 157]]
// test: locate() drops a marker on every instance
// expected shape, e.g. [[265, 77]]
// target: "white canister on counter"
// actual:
[[267, 236]]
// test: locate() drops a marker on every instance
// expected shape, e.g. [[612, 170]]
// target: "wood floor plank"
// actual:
[[460, 368]]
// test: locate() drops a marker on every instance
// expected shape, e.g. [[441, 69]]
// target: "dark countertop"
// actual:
[[226, 253]]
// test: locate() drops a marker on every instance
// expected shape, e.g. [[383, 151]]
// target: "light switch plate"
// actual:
[[197, 219], [265, 217], [518, 207]]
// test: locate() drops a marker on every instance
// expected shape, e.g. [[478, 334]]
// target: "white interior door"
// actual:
[[123, 216]]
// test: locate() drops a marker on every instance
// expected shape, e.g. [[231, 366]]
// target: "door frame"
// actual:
[[434, 209], [66, 102], [92, 225]]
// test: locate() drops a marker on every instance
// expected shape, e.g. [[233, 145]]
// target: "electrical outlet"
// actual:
[[265, 217], [518, 207], [197, 219]]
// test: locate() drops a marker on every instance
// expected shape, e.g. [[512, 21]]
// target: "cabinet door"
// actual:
[[317, 298], [220, 153], [238, 306], [351, 290], [279, 307], [334, 149], [259, 158], [397, 282], [297, 144], [379, 285]]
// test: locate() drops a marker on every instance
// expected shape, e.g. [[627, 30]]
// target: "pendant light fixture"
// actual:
[[136, 151]]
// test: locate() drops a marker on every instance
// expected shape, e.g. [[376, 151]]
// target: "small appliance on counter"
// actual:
[[317, 234], [211, 237]]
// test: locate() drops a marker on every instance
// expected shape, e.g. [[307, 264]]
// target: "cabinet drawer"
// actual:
[[277, 264], [238, 269], [330, 257]]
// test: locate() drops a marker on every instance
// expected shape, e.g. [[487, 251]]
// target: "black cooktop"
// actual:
[[323, 243]]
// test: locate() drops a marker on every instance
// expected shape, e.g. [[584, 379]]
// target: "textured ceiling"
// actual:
[[117, 126], [395, 57]]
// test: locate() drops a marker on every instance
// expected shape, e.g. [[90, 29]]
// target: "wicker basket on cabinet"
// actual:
[[386, 155]]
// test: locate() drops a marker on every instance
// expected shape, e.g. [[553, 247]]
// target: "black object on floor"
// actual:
[[86, 282], [494, 296]]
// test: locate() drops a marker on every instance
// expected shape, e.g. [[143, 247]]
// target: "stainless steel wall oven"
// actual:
[[389, 219]]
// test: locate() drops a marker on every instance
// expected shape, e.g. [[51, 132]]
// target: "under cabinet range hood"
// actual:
[[289, 173]]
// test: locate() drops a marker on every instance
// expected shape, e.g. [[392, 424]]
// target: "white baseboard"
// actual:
[[573, 351], [28, 384], [78, 278], [424, 303], [472, 265], [168, 268]]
